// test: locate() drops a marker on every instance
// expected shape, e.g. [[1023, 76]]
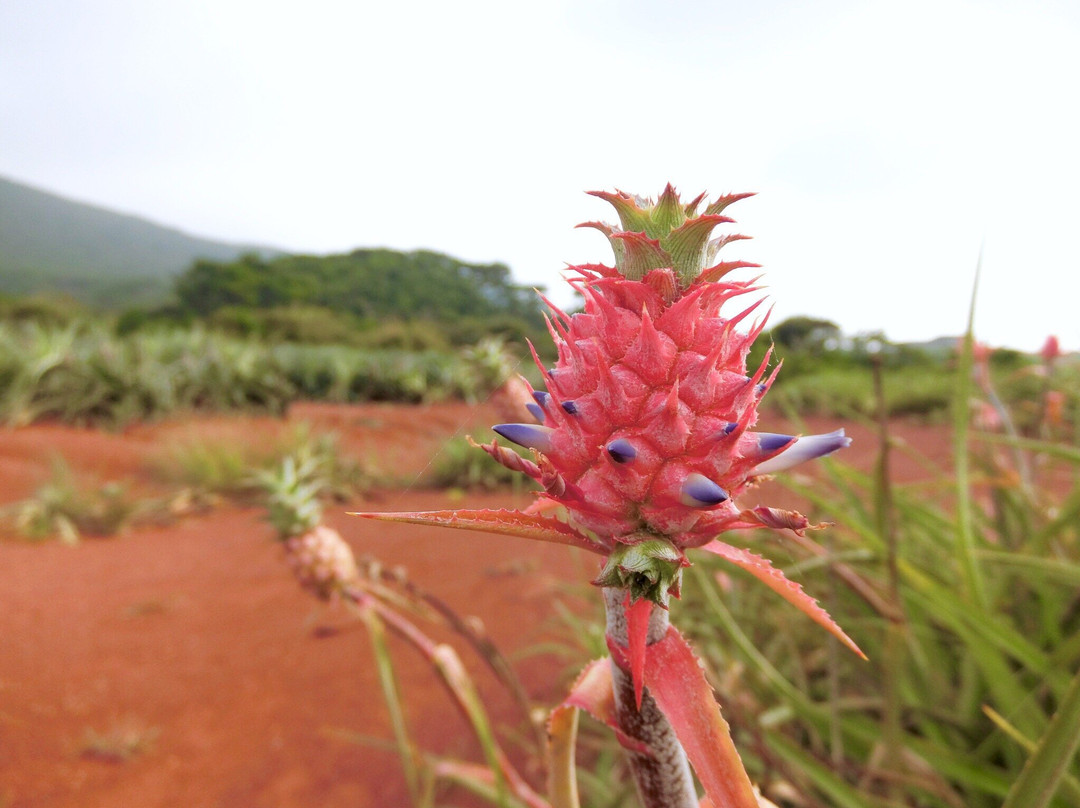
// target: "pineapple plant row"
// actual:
[[84, 374]]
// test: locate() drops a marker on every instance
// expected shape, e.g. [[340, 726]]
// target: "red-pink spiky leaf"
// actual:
[[617, 246], [716, 272], [692, 205], [662, 281], [718, 243], [637, 630], [603, 227], [509, 523], [594, 692], [677, 683], [721, 203], [790, 591]]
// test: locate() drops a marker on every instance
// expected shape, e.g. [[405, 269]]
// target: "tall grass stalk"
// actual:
[[893, 652], [384, 664], [961, 420]]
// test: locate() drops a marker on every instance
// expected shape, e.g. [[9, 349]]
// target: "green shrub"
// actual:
[[403, 335], [43, 310], [920, 391]]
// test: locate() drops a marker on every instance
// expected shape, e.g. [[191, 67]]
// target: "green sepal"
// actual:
[[650, 569]]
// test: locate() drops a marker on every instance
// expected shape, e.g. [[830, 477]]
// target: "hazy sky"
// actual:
[[888, 142]]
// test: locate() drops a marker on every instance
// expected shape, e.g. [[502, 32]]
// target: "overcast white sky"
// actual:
[[888, 141]]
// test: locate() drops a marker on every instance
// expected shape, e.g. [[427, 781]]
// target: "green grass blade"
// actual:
[[1043, 771], [1068, 782], [1050, 569], [840, 793], [391, 696], [965, 535]]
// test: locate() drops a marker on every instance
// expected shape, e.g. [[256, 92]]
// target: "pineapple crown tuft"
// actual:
[[667, 243], [292, 496]]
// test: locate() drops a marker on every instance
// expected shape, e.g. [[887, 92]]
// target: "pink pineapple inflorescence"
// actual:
[[643, 439]]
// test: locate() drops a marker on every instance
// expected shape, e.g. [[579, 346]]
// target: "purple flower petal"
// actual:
[[698, 491], [531, 436], [808, 447], [621, 450]]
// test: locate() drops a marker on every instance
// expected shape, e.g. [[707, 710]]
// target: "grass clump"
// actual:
[[233, 469], [65, 508], [197, 473], [82, 373], [121, 741]]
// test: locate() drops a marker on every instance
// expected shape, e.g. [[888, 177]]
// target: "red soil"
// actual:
[[194, 637]]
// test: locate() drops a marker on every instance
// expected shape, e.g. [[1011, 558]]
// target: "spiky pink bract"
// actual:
[[645, 441], [648, 409]]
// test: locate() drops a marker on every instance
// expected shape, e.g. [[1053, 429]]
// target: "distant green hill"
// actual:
[[52, 244]]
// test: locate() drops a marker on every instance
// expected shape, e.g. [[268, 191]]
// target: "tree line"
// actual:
[[367, 283]]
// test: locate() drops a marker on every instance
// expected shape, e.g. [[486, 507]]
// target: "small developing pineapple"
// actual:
[[319, 558], [644, 430]]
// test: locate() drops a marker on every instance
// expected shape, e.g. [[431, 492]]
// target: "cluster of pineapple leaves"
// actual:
[[83, 373]]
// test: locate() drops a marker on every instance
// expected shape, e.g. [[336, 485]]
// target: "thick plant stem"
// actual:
[[663, 776]]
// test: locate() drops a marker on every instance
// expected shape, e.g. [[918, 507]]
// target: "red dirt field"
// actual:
[[194, 638]]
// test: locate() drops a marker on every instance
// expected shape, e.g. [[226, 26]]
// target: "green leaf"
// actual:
[[1043, 771], [632, 218], [392, 697]]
